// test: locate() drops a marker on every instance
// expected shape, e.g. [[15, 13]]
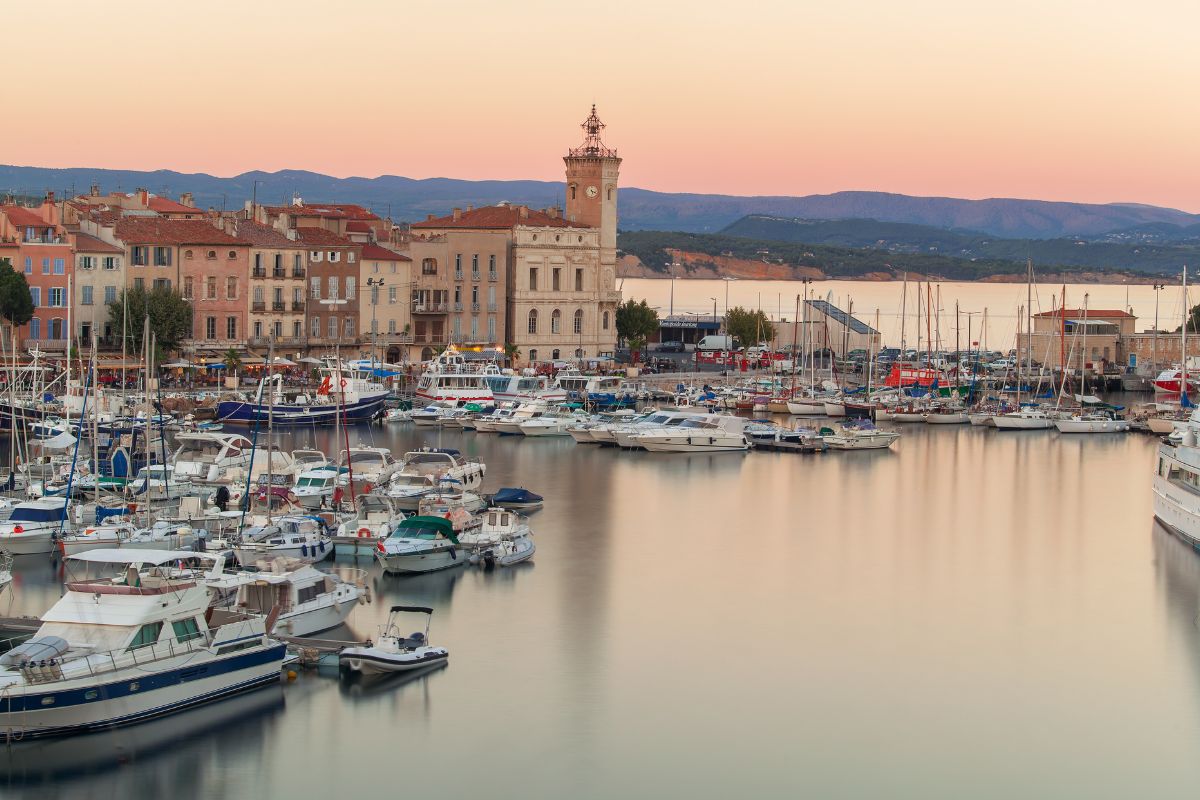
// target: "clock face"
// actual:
[[592, 191]]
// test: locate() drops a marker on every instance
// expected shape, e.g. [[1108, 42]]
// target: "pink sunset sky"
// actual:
[[1088, 101]]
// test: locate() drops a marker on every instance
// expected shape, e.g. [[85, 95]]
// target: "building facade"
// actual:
[[332, 300], [384, 302], [99, 276], [1094, 337], [38, 245], [276, 294]]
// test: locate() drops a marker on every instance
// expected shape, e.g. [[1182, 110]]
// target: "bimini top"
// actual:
[[135, 556], [412, 526]]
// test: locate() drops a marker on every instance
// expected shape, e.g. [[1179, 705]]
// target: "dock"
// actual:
[[314, 653]]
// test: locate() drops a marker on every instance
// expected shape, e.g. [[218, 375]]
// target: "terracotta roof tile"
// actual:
[[165, 205], [495, 218], [155, 230], [322, 237], [378, 253], [331, 210], [86, 243], [265, 236], [23, 217]]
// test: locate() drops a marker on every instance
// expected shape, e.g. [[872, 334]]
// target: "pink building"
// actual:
[[35, 242]]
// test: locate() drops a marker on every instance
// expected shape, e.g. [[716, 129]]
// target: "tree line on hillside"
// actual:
[[651, 248]]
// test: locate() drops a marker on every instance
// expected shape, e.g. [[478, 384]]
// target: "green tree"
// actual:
[[232, 361], [636, 323], [748, 327], [16, 304], [1193, 321], [170, 316], [512, 354]]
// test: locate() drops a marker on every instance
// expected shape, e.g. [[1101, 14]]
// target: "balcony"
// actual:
[[298, 272], [258, 305], [610, 297], [458, 306], [258, 272], [297, 305], [279, 272], [46, 344], [430, 308], [258, 341], [278, 306], [491, 308], [458, 274], [475, 309]]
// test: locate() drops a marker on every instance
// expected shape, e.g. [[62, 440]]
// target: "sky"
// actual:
[[1057, 100]]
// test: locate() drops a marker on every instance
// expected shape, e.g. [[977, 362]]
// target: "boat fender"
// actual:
[[453, 554], [322, 546], [364, 532], [304, 550]]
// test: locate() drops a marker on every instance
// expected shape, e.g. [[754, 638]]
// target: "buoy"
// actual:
[[291, 675]]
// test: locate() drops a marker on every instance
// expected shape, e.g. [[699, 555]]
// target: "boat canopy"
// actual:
[[439, 525], [39, 512], [136, 556]]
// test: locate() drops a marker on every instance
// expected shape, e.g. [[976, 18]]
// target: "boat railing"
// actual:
[[106, 661]]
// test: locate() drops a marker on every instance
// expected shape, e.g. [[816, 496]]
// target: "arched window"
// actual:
[[212, 255], [429, 266], [572, 191], [187, 254], [532, 321], [605, 320], [556, 321], [579, 320]]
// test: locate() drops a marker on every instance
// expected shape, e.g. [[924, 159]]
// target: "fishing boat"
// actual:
[[116, 651], [420, 544], [305, 600], [344, 393], [34, 525], [395, 652]]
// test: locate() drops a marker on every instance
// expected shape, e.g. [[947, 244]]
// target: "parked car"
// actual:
[[672, 347]]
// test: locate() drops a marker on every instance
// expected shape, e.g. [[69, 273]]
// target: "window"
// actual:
[[491, 298], [579, 320], [110, 262], [278, 326], [210, 328], [393, 266], [231, 288], [579, 280], [211, 255], [533, 355], [533, 279], [474, 329], [491, 263], [258, 262], [316, 288], [28, 265], [141, 255], [277, 298], [186, 629], [257, 329], [315, 256], [333, 327], [457, 265], [457, 295], [349, 326], [474, 295], [491, 329], [35, 328], [458, 329], [187, 254], [35, 292], [555, 354], [110, 294], [374, 295], [391, 294], [334, 256], [211, 287], [162, 256], [87, 262], [85, 295], [162, 283], [231, 328], [297, 329], [554, 279], [556, 321], [297, 265], [333, 287], [572, 191], [475, 266], [187, 288], [278, 266], [350, 256], [532, 321], [297, 297], [429, 266], [146, 635], [351, 286], [316, 327], [232, 255], [139, 284], [258, 295], [605, 320], [391, 326], [45, 266]]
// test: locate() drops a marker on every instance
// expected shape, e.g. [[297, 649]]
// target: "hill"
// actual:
[[410, 199]]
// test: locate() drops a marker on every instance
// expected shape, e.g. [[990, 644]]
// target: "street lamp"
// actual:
[[1154, 342], [670, 265]]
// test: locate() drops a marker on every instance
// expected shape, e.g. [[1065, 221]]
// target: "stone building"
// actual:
[[99, 277], [1094, 336], [384, 305]]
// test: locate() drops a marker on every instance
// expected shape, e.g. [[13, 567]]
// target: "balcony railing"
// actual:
[[279, 272], [610, 297], [430, 308], [258, 305], [493, 277], [491, 307], [258, 272], [458, 274], [258, 341], [475, 308], [46, 344], [297, 272], [297, 305], [458, 306], [475, 276], [279, 306]]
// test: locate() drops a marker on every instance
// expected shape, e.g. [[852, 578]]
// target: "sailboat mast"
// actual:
[[1029, 312], [1187, 317], [95, 425], [70, 338], [270, 424], [795, 341], [904, 318]]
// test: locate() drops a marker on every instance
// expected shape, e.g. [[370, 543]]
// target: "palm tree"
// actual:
[[232, 361], [512, 354]]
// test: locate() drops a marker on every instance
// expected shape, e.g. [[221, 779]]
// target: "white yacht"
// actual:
[[555, 422], [510, 425], [33, 526], [421, 544], [296, 537], [503, 539], [96, 537], [700, 433], [422, 470], [309, 601], [1028, 418], [1177, 482], [624, 435], [395, 652], [451, 378], [508, 386], [859, 436], [373, 465], [375, 517], [314, 486], [1091, 422], [116, 651], [205, 457]]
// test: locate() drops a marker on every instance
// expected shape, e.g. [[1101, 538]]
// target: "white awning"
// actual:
[[135, 556]]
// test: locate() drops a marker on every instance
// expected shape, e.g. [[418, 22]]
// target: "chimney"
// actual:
[[143, 197], [94, 191], [552, 212], [457, 214], [524, 211], [185, 199], [470, 207], [430, 217]]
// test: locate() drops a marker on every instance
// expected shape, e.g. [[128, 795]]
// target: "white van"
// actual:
[[710, 343]]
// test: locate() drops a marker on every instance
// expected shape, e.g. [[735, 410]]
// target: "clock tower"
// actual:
[[592, 186]]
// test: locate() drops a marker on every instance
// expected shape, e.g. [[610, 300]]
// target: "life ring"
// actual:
[[343, 383], [362, 532]]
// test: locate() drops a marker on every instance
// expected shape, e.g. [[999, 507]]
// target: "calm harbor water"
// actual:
[[880, 303], [974, 614]]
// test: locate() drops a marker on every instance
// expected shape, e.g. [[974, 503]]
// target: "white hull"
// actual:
[[582, 436], [698, 444], [948, 419], [908, 416], [1161, 424], [249, 555], [981, 420], [421, 562], [1091, 425], [308, 622], [27, 544], [835, 409], [373, 661], [805, 408], [1006, 422], [1178, 509]]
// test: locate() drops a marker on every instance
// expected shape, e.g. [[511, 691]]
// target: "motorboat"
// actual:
[[96, 537], [437, 463], [375, 517], [205, 457], [406, 490], [398, 415], [118, 650], [625, 435], [367, 465], [517, 499], [700, 433], [555, 422], [395, 652], [510, 425], [345, 393], [451, 378], [156, 482], [508, 387], [430, 416], [502, 539], [860, 436], [1169, 381], [34, 525], [315, 486], [308, 601], [453, 503], [420, 544], [290, 536], [1176, 486]]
